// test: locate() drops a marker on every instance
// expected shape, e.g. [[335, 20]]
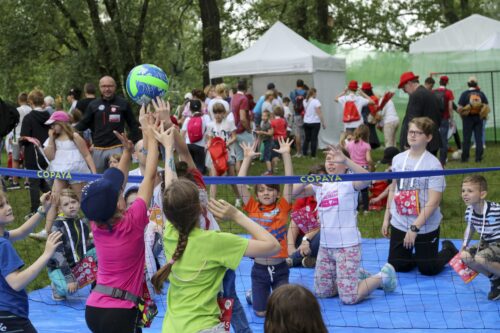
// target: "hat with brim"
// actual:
[[58, 116], [405, 78], [100, 197]]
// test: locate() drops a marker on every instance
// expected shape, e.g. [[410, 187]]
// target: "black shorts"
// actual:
[[12, 323], [112, 320]]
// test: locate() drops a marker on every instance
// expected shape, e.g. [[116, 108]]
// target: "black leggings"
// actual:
[[311, 132], [12, 323], [102, 320], [426, 257]]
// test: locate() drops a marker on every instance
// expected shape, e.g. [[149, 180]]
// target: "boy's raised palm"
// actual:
[[165, 137], [336, 153], [249, 150], [46, 201], [127, 144], [284, 146], [222, 209], [53, 241]]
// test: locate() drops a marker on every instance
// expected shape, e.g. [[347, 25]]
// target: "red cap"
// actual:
[[353, 85], [405, 78], [366, 86], [444, 78]]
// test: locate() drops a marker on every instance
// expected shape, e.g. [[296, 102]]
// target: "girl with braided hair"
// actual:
[[199, 258]]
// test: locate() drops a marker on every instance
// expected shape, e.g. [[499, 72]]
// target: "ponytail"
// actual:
[[162, 275]]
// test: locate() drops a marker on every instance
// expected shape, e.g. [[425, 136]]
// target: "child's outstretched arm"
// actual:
[[249, 152], [182, 150], [126, 159], [284, 150], [339, 157], [24, 230], [18, 280], [167, 138], [263, 245]]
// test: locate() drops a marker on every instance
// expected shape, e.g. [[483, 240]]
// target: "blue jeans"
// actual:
[[314, 245], [472, 124], [443, 132], [238, 320]]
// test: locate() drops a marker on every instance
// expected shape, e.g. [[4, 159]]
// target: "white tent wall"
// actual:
[[328, 85]]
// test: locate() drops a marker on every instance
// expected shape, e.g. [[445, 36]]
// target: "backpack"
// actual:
[[298, 104], [9, 118], [195, 128], [476, 103], [440, 95], [350, 112], [219, 155]]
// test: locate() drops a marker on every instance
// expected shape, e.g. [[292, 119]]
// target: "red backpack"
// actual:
[[218, 153], [351, 112], [195, 128]]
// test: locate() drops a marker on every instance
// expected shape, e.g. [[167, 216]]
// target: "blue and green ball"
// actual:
[[146, 82]]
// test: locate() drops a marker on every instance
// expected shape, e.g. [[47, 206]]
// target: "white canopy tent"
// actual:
[[282, 56], [473, 33]]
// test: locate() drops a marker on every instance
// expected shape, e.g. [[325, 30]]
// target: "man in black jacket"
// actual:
[[33, 126], [422, 103], [105, 115]]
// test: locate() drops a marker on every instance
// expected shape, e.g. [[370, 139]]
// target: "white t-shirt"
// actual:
[[337, 210], [288, 117], [205, 120], [422, 184], [23, 111], [310, 115], [389, 113], [267, 106], [213, 101], [360, 103], [223, 130]]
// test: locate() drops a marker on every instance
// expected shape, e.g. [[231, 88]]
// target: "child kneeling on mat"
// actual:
[[482, 216], [65, 268]]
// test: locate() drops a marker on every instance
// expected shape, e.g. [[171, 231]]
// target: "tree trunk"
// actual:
[[211, 35], [323, 32], [449, 13]]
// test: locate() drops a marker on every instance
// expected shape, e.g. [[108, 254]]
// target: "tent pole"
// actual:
[[493, 106]]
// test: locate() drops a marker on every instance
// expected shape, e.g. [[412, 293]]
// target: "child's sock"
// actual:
[[383, 276]]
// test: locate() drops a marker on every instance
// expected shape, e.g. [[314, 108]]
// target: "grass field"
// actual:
[[452, 206]]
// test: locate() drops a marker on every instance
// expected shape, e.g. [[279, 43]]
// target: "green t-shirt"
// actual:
[[196, 278]]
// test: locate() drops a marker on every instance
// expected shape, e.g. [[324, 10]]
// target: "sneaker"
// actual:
[[13, 186], [309, 262], [267, 173], [249, 297], [363, 274], [237, 203], [26, 185], [297, 155], [448, 245], [390, 281], [494, 293], [42, 235], [55, 296]]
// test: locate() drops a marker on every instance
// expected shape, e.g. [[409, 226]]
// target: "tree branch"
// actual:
[[72, 22], [140, 31]]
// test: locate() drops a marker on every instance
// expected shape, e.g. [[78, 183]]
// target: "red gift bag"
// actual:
[[85, 271], [305, 219], [226, 311], [465, 272]]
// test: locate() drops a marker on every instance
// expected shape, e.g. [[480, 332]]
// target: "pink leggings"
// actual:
[[337, 273]]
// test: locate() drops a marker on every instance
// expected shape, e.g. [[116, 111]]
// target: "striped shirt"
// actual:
[[487, 225]]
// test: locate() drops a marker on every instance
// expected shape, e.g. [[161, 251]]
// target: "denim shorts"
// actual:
[[264, 279], [268, 148]]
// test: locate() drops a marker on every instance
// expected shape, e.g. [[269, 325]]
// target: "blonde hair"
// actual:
[[36, 97], [67, 192], [67, 128], [425, 124], [220, 90]]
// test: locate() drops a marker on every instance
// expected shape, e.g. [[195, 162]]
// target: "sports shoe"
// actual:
[[249, 297], [494, 293], [26, 185], [13, 186], [390, 280], [309, 262], [448, 245], [55, 296], [41, 235], [237, 203], [297, 155]]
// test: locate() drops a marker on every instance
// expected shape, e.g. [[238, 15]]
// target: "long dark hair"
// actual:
[[285, 311], [181, 205]]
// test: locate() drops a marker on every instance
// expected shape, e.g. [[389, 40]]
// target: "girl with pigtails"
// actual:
[[198, 259]]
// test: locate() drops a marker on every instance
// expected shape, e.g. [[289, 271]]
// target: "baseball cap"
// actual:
[[100, 197], [406, 77], [58, 116], [353, 85], [444, 79]]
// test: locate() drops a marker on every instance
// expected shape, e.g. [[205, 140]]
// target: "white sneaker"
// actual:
[[237, 203], [42, 235], [389, 278]]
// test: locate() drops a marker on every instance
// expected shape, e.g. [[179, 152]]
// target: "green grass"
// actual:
[[452, 207]]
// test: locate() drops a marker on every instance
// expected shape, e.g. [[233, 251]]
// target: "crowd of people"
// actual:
[[166, 228]]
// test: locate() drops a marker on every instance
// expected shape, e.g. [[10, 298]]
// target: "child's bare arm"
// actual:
[[18, 280], [167, 138], [284, 150], [249, 151]]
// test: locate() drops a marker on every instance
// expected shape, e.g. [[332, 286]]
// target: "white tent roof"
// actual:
[[279, 51], [473, 33]]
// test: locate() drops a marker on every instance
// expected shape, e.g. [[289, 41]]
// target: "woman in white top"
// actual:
[[313, 120], [390, 124]]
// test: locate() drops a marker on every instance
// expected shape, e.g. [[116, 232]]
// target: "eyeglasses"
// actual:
[[415, 133]]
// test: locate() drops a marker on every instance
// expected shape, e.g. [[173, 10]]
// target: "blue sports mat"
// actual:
[[419, 304]]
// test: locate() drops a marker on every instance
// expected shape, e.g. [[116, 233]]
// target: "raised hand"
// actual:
[[165, 137], [249, 150], [222, 209], [127, 144], [46, 201], [53, 241], [336, 153], [284, 146], [161, 106]]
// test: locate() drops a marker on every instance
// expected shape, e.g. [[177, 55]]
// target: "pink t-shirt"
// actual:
[[120, 256], [358, 151]]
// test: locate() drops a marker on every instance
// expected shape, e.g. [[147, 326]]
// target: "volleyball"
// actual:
[[146, 82]]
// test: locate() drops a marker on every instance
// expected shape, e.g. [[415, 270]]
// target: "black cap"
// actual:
[[195, 105], [389, 154]]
